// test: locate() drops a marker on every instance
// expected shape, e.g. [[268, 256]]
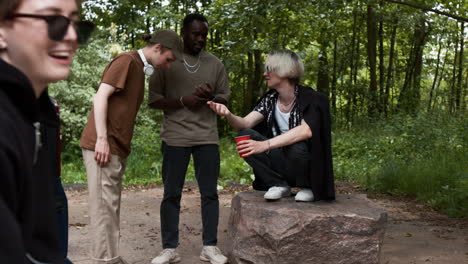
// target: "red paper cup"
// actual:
[[239, 139]]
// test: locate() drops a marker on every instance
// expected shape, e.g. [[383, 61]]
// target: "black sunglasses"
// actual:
[[57, 27]]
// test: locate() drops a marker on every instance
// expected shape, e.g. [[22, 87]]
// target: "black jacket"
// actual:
[[315, 110], [27, 215]]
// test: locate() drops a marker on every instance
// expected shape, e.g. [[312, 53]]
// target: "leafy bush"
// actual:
[[233, 168], [423, 156]]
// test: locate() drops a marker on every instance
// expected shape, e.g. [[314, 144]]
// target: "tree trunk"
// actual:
[[442, 70], [254, 84], [372, 57], [390, 66], [323, 80], [248, 92], [410, 94], [334, 76], [350, 92], [436, 74], [258, 77], [460, 69], [416, 95], [454, 77], [132, 32], [381, 101]]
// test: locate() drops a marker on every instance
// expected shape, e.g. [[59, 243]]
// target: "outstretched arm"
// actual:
[[236, 122]]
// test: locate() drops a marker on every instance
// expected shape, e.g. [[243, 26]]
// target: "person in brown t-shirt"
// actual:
[[106, 138]]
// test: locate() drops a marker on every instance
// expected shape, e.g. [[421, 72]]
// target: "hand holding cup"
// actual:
[[241, 148]]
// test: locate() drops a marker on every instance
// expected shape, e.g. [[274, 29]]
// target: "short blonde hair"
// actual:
[[286, 64]]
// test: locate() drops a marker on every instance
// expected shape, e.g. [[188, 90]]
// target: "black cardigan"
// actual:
[[27, 208], [315, 110]]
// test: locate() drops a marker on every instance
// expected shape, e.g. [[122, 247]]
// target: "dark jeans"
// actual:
[[285, 166], [175, 163], [61, 206]]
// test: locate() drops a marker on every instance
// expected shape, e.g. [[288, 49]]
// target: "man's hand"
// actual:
[[206, 93], [193, 101], [102, 152]]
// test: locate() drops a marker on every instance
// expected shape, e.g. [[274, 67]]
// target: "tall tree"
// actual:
[[436, 76], [381, 94], [461, 57], [390, 64], [323, 74], [372, 58], [409, 97]]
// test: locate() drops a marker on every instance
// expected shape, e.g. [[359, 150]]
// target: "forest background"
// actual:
[[395, 72]]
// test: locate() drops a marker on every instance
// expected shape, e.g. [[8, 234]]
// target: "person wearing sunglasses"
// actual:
[[289, 127], [107, 136], [37, 43]]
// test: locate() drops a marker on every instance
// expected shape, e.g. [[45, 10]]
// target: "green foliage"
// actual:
[[423, 157], [73, 172], [145, 162], [233, 168]]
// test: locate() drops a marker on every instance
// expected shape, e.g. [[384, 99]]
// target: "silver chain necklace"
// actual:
[[192, 68], [288, 104], [286, 107]]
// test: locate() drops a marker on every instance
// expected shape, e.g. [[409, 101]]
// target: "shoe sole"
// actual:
[[172, 261], [303, 201], [207, 260], [274, 199]]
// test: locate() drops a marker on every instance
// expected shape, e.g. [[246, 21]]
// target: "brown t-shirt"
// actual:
[[186, 127], [125, 73]]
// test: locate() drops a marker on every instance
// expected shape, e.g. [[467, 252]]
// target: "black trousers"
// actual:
[[286, 166], [61, 207], [175, 163]]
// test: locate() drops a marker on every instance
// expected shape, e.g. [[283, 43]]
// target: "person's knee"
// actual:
[[209, 194], [172, 195], [213, 197], [298, 150], [246, 132], [255, 135]]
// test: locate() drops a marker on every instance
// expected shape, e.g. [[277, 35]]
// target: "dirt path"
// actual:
[[414, 233]]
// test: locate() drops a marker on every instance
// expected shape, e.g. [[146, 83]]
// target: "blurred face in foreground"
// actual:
[[25, 40]]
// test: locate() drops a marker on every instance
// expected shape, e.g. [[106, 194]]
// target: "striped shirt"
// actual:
[[266, 107]]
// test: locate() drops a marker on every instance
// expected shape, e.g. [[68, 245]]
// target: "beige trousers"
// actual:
[[105, 188]]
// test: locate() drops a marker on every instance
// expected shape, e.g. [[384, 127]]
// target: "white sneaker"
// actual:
[[277, 192], [168, 255], [213, 255], [304, 195]]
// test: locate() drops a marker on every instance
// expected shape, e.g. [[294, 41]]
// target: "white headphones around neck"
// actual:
[[148, 69]]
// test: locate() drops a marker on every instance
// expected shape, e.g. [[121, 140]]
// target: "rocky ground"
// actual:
[[415, 234]]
